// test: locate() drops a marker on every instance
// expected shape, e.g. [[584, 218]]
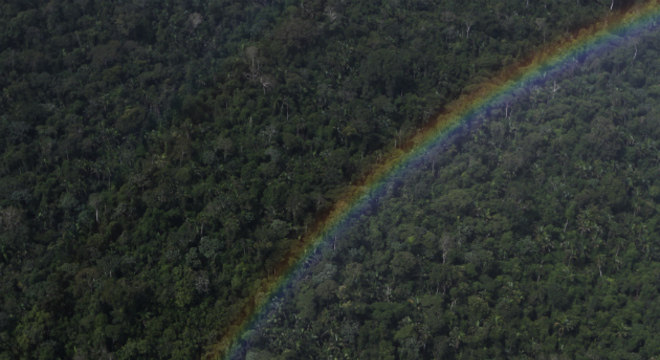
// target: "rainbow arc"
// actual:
[[556, 58]]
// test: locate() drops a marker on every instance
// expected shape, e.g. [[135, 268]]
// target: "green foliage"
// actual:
[[159, 159], [532, 236]]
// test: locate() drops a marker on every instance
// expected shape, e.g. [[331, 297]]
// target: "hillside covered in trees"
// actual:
[[534, 236], [159, 158]]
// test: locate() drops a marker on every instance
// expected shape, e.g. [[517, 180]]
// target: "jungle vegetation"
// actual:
[[159, 158], [535, 235]]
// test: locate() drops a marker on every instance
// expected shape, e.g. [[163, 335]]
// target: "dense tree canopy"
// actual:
[[158, 158], [536, 235]]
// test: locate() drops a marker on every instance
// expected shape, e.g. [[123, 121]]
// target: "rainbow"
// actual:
[[566, 53]]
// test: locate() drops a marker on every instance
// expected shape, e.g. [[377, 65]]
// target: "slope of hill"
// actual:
[[158, 158], [536, 235]]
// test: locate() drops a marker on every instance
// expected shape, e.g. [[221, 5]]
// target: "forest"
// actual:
[[158, 160], [534, 236]]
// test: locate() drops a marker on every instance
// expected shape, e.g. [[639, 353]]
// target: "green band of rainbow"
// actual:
[[616, 30]]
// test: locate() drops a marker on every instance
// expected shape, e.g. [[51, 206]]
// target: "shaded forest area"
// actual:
[[534, 236], [158, 158]]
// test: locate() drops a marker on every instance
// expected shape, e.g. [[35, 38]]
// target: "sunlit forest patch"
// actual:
[[534, 235]]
